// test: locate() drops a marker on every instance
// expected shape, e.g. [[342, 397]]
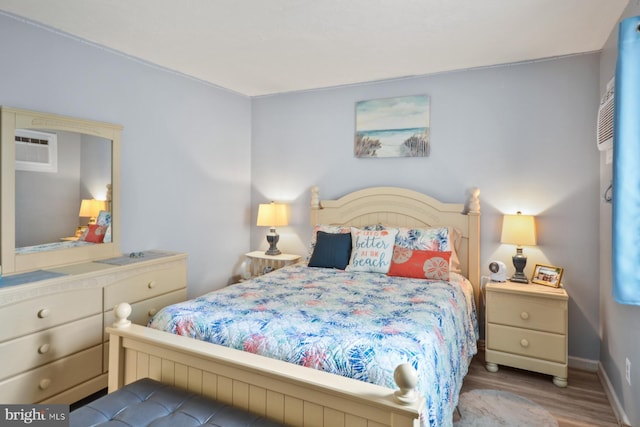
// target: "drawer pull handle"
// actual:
[[44, 348], [524, 343], [44, 384], [44, 313], [151, 284], [152, 312], [524, 315]]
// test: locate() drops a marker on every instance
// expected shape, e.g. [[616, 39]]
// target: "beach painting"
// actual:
[[393, 127]]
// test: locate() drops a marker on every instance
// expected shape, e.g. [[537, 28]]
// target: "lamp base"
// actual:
[[272, 239], [519, 278], [519, 262]]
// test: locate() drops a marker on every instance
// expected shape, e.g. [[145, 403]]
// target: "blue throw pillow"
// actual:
[[331, 250]]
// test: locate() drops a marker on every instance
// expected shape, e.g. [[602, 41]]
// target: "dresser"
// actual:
[[526, 328], [52, 342]]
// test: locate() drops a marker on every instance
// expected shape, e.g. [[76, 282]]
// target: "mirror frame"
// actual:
[[12, 119]]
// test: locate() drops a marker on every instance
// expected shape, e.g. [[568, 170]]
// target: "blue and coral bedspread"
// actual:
[[359, 325]]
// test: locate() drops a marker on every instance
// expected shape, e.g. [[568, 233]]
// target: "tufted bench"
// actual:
[[147, 401]]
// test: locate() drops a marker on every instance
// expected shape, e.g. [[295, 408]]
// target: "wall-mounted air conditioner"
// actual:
[[604, 133], [36, 151]]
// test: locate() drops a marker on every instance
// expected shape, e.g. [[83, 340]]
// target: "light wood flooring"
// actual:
[[582, 403]]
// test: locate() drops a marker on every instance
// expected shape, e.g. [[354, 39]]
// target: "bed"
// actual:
[[387, 350]]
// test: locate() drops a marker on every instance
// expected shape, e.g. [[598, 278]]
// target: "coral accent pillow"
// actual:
[[432, 239], [420, 264], [371, 250], [95, 233]]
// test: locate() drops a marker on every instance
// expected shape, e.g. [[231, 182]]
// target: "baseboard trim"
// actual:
[[583, 364], [623, 420]]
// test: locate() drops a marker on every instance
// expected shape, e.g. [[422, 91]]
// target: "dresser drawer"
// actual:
[[146, 284], [46, 346], [525, 342], [48, 380], [44, 312], [539, 313]]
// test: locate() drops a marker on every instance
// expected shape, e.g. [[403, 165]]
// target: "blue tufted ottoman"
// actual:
[[147, 401]]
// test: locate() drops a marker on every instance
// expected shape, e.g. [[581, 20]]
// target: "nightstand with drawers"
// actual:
[[527, 328]]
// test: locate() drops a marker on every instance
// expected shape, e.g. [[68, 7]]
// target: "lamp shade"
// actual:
[[519, 230], [273, 214], [91, 208]]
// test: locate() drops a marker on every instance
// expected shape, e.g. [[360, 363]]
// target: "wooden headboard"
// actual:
[[401, 207]]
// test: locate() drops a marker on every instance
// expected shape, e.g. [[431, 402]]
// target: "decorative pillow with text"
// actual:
[[371, 250]]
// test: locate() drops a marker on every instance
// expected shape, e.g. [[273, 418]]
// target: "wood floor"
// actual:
[[582, 403]]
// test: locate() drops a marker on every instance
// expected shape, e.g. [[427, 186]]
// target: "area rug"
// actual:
[[488, 408]]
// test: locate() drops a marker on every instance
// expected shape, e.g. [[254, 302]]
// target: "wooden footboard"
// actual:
[[292, 394]]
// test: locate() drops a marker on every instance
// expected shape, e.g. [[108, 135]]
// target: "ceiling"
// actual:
[[260, 47]]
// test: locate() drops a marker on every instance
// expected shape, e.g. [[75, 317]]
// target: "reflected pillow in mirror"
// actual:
[[95, 233], [104, 219], [107, 235]]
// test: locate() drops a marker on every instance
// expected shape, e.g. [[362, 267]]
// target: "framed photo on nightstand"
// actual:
[[548, 275]]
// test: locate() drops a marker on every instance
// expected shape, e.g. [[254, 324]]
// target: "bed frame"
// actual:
[[288, 393], [407, 208]]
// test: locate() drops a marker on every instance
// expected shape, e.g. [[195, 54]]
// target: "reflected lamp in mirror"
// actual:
[[273, 215], [90, 208], [519, 230]]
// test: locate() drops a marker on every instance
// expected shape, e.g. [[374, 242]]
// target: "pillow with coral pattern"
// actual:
[[420, 264]]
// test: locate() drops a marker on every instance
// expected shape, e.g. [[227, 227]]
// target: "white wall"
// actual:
[[185, 150], [619, 323], [523, 134]]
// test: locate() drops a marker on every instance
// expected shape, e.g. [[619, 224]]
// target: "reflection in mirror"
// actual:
[[49, 164], [48, 201]]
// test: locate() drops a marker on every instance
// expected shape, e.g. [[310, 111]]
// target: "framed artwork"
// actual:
[[547, 275], [393, 127]]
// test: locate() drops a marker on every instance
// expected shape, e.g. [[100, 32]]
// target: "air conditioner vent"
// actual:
[[36, 151], [604, 132]]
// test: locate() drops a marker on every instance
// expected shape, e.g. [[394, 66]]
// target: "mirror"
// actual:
[[49, 164], [49, 197]]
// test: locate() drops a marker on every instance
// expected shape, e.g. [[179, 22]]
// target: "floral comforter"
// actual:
[[359, 325]]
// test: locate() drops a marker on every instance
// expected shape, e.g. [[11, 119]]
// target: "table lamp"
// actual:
[[273, 215], [519, 230], [91, 208]]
